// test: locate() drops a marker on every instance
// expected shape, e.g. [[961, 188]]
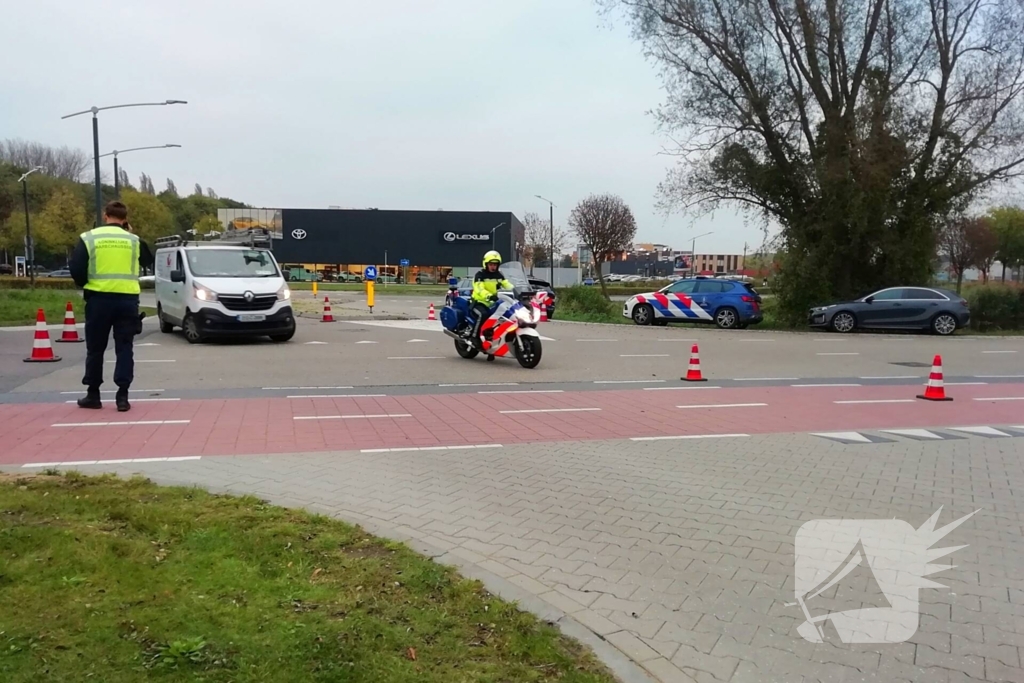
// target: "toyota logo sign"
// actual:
[[298, 234]]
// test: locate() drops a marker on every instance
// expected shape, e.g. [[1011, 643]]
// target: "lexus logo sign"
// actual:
[[465, 237], [298, 234]]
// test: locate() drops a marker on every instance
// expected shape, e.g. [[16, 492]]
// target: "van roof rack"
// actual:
[[256, 238]]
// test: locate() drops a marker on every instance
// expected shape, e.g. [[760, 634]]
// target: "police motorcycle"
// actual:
[[453, 291], [510, 328]]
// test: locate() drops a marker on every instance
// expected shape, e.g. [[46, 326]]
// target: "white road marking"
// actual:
[[413, 341], [548, 410], [964, 384], [147, 344], [981, 431], [677, 340], [999, 376], [846, 436], [417, 325], [913, 433], [765, 379], [836, 353], [597, 340], [1002, 398], [366, 342], [525, 391], [756, 340], [121, 461], [724, 405], [337, 396], [678, 388], [120, 424], [430, 448], [829, 339], [314, 342], [142, 400], [303, 388], [877, 400], [824, 385], [348, 417], [892, 377], [687, 436], [415, 357], [114, 391], [628, 381], [999, 352], [147, 361], [482, 384], [643, 355]]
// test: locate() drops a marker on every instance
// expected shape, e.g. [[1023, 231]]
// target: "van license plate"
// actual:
[[252, 318]]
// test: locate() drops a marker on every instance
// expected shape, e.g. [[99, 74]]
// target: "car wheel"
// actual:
[[190, 327], [165, 326], [643, 314], [843, 322], [727, 318], [944, 324]]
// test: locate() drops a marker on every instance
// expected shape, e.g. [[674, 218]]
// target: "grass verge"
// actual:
[[378, 289], [19, 306], [106, 579]]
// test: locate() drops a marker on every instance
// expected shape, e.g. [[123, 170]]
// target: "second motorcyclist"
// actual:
[[486, 284]]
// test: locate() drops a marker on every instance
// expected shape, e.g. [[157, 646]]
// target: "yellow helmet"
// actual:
[[492, 256]]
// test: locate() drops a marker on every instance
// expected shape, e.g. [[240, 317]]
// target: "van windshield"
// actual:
[[207, 262]]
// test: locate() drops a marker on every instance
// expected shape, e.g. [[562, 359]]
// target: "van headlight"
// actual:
[[204, 294], [284, 293]]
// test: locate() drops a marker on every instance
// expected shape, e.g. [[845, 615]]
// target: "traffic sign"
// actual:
[[404, 262], [370, 273]]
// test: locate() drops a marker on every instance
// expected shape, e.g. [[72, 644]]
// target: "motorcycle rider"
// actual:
[[486, 284]]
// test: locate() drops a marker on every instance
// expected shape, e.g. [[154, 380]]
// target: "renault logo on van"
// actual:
[[299, 234], [249, 296]]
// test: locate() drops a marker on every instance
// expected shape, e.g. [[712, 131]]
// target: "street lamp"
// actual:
[[96, 141], [551, 217], [693, 253], [30, 252], [117, 178], [493, 236]]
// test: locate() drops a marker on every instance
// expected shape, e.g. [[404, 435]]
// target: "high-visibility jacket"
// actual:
[[486, 285], [113, 260]]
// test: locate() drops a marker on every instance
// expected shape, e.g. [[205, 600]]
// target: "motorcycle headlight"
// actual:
[[204, 294], [284, 294]]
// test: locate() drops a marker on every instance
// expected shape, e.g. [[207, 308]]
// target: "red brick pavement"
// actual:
[[266, 425]]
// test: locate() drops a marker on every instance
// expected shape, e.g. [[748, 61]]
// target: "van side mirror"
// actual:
[[177, 276]]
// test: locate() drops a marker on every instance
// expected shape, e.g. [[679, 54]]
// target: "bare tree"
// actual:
[[986, 244], [606, 225], [858, 125], [59, 162], [538, 239], [958, 242]]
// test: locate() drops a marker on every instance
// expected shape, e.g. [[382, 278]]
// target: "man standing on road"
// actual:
[[105, 264]]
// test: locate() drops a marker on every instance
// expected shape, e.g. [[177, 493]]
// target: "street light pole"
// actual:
[[30, 252], [693, 253], [551, 218], [117, 177], [96, 141], [494, 236]]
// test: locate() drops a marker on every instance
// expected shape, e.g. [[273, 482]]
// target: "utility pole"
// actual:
[[551, 218], [30, 251]]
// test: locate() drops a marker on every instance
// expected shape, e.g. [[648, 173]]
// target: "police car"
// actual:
[[726, 303]]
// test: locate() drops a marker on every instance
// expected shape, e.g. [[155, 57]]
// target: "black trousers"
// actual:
[[481, 311], [106, 313]]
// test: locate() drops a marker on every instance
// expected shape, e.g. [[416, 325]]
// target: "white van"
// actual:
[[230, 286]]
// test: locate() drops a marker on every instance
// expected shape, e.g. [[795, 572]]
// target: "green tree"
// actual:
[[148, 215], [1008, 225], [857, 127], [206, 225], [61, 221]]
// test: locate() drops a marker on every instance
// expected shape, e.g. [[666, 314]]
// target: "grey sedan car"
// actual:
[[896, 308]]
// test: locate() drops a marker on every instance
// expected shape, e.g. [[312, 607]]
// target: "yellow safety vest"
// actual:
[[113, 260]]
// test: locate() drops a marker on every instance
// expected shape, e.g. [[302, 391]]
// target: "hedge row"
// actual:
[[11, 282], [996, 307]]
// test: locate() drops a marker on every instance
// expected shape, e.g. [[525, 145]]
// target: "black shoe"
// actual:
[[121, 399], [91, 400], [138, 328], [490, 358]]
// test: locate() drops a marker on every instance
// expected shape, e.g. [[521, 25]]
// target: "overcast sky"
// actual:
[[405, 104]]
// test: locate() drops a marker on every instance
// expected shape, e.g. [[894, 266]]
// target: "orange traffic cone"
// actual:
[[328, 316], [543, 311], [42, 351], [934, 391], [693, 371], [70, 333], [430, 313]]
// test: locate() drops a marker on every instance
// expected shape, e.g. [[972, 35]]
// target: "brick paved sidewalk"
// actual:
[[681, 555]]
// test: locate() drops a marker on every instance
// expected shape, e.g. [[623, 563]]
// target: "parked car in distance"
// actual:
[[936, 310], [725, 303], [63, 272]]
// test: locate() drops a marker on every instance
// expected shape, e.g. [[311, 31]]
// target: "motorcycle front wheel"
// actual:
[[528, 354], [466, 350]]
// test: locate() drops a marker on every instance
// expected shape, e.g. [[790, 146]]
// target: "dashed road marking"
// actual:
[[837, 353], [918, 434], [876, 400], [965, 384], [1001, 398], [120, 461], [336, 396], [991, 432], [415, 341], [366, 342], [892, 377], [430, 448], [628, 381], [120, 424], [679, 388], [348, 417], [482, 384], [826, 385], [688, 436], [845, 437], [415, 357], [302, 388], [114, 391], [548, 410], [725, 405], [644, 355], [142, 400], [765, 379], [597, 340], [314, 342], [147, 361], [525, 391], [999, 352], [999, 376]]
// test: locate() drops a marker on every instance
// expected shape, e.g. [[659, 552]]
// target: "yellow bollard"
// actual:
[[314, 288], [369, 294]]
